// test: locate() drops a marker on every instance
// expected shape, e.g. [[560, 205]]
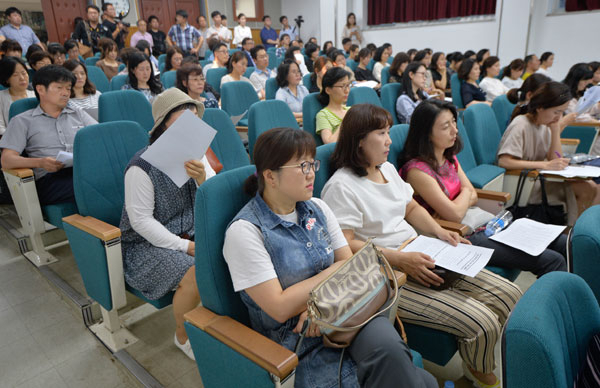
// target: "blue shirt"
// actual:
[[405, 107], [294, 102], [266, 34], [184, 39], [24, 35], [292, 32]]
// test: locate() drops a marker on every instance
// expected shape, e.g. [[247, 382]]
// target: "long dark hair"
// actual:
[[348, 19], [434, 60], [548, 95], [398, 61], [418, 142], [88, 88], [465, 69], [519, 95], [489, 62], [273, 149], [359, 121], [170, 52], [578, 72], [407, 82], [133, 62], [332, 76], [516, 64]]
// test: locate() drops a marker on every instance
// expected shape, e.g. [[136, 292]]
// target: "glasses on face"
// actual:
[[343, 87], [306, 166], [198, 79], [262, 57], [225, 51], [420, 73]]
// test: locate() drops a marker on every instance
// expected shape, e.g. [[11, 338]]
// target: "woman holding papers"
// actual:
[[280, 246], [532, 141], [157, 223], [369, 199], [430, 165]]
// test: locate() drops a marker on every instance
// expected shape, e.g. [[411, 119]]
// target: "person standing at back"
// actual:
[[159, 38], [203, 29], [141, 34], [183, 35], [218, 30], [287, 29], [90, 32], [117, 29], [15, 30], [267, 34], [241, 31]]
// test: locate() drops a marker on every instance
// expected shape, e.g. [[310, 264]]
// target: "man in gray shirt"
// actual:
[[42, 132]]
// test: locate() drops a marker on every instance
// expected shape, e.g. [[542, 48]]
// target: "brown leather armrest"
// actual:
[[532, 173], [267, 354], [19, 172], [453, 226], [570, 141], [499, 196], [94, 226]]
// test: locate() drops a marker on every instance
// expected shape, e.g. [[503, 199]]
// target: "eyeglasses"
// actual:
[[420, 72], [343, 87], [306, 166], [222, 51], [196, 78]]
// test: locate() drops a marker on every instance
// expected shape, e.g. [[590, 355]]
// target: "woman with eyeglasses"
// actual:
[[291, 91], [334, 94], [191, 81], [14, 77], [279, 247], [413, 91]]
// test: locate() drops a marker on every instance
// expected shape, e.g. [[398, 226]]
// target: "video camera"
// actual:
[[120, 17], [299, 20]]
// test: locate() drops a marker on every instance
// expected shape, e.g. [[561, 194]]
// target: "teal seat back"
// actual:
[[91, 61], [371, 64], [232, 51], [249, 71], [218, 200], [161, 67], [213, 77], [101, 153], [503, 110], [548, 331], [483, 132], [271, 89], [168, 78], [585, 243], [455, 89], [22, 105], [465, 157], [117, 82], [227, 144], [306, 81], [237, 97], [205, 62], [97, 55], [398, 133], [385, 75], [586, 136], [121, 67], [322, 176], [162, 58], [98, 78], [310, 107], [272, 59], [363, 95], [389, 96], [265, 115], [125, 105], [208, 53], [352, 64]]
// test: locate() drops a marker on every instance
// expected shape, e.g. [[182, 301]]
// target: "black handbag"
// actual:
[[548, 214]]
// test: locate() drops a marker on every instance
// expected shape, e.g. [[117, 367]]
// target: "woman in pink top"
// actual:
[[430, 165]]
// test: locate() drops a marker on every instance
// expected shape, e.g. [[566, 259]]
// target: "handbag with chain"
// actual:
[[352, 296]]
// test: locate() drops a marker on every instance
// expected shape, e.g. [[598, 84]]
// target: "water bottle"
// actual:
[[448, 384], [498, 223]]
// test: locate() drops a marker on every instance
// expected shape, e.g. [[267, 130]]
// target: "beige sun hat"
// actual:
[[169, 100]]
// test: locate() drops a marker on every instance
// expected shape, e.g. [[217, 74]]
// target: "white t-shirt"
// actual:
[[139, 203], [493, 88], [223, 33], [545, 72], [371, 209], [245, 253], [239, 33], [512, 83]]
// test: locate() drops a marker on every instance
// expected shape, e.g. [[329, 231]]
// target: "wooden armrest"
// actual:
[[532, 173], [453, 226], [239, 128], [570, 141], [585, 124], [499, 196], [19, 172], [299, 120], [94, 226], [400, 277], [259, 349]]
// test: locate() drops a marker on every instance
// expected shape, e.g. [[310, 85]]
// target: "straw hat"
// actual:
[[169, 100]]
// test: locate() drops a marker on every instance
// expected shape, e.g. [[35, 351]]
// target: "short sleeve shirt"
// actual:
[[525, 140], [294, 102], [24, 35], [184, 39], [41, 135], [326, 119]]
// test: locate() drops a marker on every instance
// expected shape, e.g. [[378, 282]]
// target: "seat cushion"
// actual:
[[164, 301], [482, 174], [54, 214], [435, 345], [507, 273]]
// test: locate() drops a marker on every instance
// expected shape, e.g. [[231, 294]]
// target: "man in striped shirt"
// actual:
[[184, 36]]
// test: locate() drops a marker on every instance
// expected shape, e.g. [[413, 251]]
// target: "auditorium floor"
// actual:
[[44, 342]]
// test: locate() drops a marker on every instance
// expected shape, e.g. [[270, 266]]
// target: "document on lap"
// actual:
[[65, 158], [529, 236], [464, 259], [188, 138]]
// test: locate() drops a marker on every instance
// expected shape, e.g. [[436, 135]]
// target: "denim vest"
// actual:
[[298, 252]]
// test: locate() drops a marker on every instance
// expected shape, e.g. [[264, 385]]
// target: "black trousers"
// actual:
[[56, 187]]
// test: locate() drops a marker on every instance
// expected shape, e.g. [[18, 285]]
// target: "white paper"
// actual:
[[187, 138], [589, 99], [575, 171], [529, 236], [65, 158], [236, 119], [367, 84], [464, 258]]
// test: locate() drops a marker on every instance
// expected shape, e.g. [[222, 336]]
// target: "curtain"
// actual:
[[401, 11], [581, 5]]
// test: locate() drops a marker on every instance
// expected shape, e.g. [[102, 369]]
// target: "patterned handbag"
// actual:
[[352, 296]]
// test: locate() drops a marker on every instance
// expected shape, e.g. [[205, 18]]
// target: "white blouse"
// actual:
[[239, 33], [493, 88]]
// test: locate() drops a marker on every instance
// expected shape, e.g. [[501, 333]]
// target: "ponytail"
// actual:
[[251, 185]]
